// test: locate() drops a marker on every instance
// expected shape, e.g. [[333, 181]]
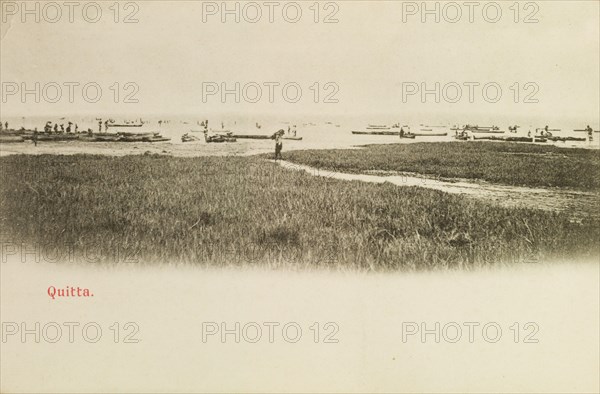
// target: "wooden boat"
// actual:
[[156, 139], [524, 139], [585, 131], [375, 132], [9, 139], [377, 126], [56, 137], [219, 139], [133, 138], [292, 138], [129, 134], [564, 139], [408, 135], [488, 138], [124, 125], [189, 138], [430, 134], [106, 137], [252, 136]]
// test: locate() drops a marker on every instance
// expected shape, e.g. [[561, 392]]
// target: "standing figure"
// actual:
[[100, 126], [279, 144], [56, 127], [69, 127]]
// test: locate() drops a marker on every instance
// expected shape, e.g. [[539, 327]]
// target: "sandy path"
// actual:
[[577, 203]]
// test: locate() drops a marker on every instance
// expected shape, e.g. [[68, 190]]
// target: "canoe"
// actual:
[[129, 134], [377, 126], [564, 139], [376, 132], [189, 138], [584, 131], [252, 136], [155, 139], [7, 139], [293, 138], [430, 134], [133, 138], [412, 136], [56, 137], [219, 139], [488, 138], [106, 138], [524, 139], [124, 125]]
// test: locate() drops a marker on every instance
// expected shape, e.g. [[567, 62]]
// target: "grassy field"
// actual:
[[219, 211], [504, 163]]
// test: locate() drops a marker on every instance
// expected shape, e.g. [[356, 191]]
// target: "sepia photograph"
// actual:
[[310, 196]]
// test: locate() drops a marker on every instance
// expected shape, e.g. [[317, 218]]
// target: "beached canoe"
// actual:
[[124, 125], [488, 138], [55, 137], [377, 127], [133, 138], [564, 139], [429, 134], [375, 132], [106, 138], [584, 131], [219, 139], [155, 139], [411, 136], [9, 139], [292, 138], [129, 134], [253, 136], [524, 139]]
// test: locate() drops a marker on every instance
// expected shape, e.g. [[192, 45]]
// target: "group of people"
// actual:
[[60, 128], [291, 131]]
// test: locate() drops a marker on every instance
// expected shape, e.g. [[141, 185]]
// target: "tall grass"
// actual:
[[220, 211], [505, 163]]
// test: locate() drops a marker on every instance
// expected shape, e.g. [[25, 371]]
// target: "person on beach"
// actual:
[[106, 126], [6, 125], [69, 127], [56, 128], [62, 128], [76, 128], [0, 126], [289, 130], [294, 130], [278, 144], [35, 137], [100, 126], [402, 132]]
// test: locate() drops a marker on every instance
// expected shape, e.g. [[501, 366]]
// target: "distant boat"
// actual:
[[253, 136], [292, 138], [124, 125], [375, 132], [430, 134]]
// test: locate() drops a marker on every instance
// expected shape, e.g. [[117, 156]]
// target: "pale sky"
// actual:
[[369, 53]]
